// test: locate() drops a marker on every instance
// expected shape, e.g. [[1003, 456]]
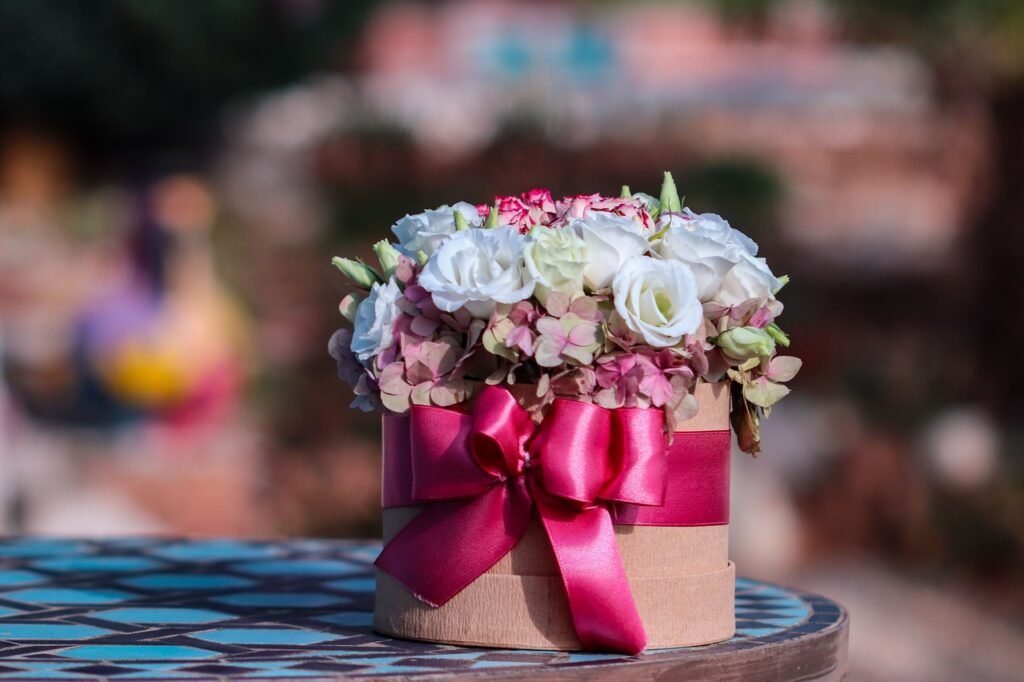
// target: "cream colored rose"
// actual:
[[555, 258]]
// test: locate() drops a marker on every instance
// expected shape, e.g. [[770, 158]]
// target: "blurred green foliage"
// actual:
[[141, 73], [752, 191], [989, 34]]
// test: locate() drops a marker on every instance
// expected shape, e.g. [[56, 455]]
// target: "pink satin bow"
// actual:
[[483, 473]]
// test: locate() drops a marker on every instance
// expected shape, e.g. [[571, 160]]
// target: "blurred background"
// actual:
[[174, 182]]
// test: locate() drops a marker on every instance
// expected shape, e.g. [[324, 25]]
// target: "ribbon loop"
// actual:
[[475, 470], [501, 429], [640, 458], [572, 448], [441, 466]]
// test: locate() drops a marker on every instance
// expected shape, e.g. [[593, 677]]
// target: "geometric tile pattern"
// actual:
[[200, 609]]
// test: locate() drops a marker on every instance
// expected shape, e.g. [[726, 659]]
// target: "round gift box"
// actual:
[[681, 580]]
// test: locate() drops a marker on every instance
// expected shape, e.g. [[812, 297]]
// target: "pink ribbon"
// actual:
[[483, 473]]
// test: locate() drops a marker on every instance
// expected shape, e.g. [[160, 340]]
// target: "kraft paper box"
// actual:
[[681, 578]]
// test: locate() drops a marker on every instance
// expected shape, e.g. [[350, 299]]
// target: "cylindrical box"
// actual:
[[680, 576]]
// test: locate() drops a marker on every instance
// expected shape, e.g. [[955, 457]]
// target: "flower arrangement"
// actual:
[[624, 301]]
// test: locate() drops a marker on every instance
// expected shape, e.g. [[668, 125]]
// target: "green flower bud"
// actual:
[[349, 305], [492, 218], [743, 343], [388, 257], [361, 274], [460, 222], [776, 333], [422, 258], [669, 195], [625, 193]]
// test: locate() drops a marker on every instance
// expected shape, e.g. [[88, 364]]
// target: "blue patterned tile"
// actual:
[[136, 652], [349, 618], [185, 581], [280, 599], [300, 567], [159, 671], [275, 636], [49, 631], [353, 584], [92, 564], [163, 626], [163, 616], [51, 675], [216, 550], [38, 547], [18, 578], [500, 664], [283, 672], [68, 595]]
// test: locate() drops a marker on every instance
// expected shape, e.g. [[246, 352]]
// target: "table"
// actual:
[[199, 609]]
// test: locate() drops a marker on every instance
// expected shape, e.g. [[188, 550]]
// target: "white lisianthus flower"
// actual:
[[751, 278], [374, 324], [707, 245], [555, 258], [611, 240], [476, 270], [425, 231], [657, 299]]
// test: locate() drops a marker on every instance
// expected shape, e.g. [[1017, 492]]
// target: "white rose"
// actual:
[[476, 269], [611, 240], [375, 321], [708, 245], [751, 278], [425, 231], [555, 258], [657, 299]]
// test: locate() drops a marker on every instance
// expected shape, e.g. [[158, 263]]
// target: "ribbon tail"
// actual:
[[450, 544], [600, 601]]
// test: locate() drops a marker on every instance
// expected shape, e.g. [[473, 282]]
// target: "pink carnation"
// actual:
[[536, 207], [582, 204]]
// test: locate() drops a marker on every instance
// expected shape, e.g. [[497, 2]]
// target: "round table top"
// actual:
[[195, 609]]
